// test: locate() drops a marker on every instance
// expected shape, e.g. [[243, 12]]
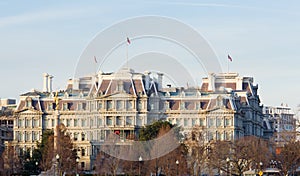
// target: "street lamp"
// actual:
[[177, 163], [227, 160], [57, 160], [260, 164], [36, 164], [140, 160], [77, 161]]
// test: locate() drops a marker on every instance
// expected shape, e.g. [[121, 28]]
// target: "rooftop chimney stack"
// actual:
[[211, 82], [45, 84], [160, 80], [147, 80], [50, 83]]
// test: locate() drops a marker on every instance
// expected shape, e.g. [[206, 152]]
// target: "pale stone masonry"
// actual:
[[283, 122], [226, 105]]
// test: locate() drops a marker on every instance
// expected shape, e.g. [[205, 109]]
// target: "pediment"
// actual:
[[28, 111], [117, 95], [220, 109]]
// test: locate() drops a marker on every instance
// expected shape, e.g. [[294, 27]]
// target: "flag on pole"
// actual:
[[128, 41], [229, 58], [95, 59]]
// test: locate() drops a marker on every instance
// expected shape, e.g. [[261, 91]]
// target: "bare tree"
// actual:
[[11, 161], [197, 150], [289, 157], [235, 157], [65, 149]]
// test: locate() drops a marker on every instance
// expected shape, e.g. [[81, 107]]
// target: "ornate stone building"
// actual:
[[227, 106], [282, 120], [92, 107]]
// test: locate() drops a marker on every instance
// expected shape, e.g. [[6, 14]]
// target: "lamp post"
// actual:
[[227, 160], [57, 160], [140, 160], [260, 165], [77, 161], [177, 163], [36, 164]]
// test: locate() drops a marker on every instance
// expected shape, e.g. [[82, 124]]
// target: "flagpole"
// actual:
[[127, 55], [96, 62], [227, 65]]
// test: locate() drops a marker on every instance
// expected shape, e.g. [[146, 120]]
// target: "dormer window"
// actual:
[[120, 86], [66, 95], [28, 102], [50, 106], [65, 106], [79, 106]]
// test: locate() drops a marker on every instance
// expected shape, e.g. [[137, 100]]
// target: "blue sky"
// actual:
[[262, 37]]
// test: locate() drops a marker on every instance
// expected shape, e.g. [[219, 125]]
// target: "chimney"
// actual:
[[239, 83], [211, 82], [159, 81], [147, 80], [50, 83], [75, 84], [45, 84]]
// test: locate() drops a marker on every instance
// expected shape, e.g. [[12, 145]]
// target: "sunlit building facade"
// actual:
[[226, 105]]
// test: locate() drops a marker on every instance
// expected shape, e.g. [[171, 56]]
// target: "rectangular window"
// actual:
[[109, 105], [75, 136], [119, 105], [82, 136], [140, 105], [26, 123], [218, 136], [186, 122], [20, 122], [99, 122], [119, 121], [68, 122], [65, 106], [75, 122], [79, 106], [83, 122], [46, 123], [100, 105], [35, 136], [201, 122], [197, 106], [130, 105], [129, 121], [52, 122], [182, 105], [109, 121], [193, 122], [82, 152], [211, 121], [36, 123], [92, 106], [228, 121], [50, 106], [219, 122], [92, 122], [102, 135]]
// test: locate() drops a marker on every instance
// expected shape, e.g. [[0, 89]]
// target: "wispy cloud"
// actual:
[[226, 6], [50, 14]]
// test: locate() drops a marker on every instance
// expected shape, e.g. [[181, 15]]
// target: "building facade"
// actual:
[[282, 121], [226, 105]]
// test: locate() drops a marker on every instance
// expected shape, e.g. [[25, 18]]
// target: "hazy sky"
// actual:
[[262, 37]]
